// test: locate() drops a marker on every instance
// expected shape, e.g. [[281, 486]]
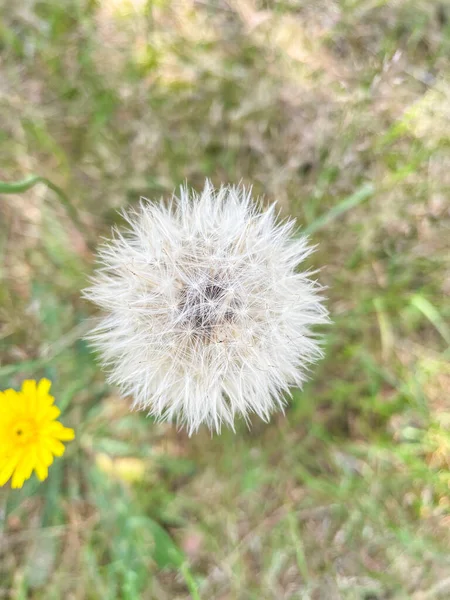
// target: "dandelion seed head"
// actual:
[[206, 315]]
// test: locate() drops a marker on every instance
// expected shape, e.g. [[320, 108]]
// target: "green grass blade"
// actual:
[[364, 193]]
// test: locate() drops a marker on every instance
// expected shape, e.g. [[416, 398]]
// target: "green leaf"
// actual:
[[166, 553], [432, 314]]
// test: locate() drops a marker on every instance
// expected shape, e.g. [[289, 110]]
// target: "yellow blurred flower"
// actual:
[[30, 435], [128, 468]]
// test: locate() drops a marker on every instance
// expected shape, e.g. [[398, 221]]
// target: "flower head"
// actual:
[[206, 315], [30, 436]]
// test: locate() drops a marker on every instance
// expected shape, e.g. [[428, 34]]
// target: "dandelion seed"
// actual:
[[206, 316], [30, 435]]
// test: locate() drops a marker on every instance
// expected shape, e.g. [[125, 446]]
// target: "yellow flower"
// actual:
[[30, 436]]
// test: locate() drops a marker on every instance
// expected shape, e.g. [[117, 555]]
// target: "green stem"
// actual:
[[190, 581], [4, 493], [18, 187]]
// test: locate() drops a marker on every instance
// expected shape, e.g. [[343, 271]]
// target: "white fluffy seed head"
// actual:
[[206, 315]]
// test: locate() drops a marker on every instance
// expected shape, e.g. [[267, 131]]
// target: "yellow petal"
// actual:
[[13, 401], [29, 387], [8, 469], [44, 455], [20, 476], [55, 446], [58, 431], [6, 414], [24, 469], [5, 455], [18, 480], [44, 387], [41, 470], [44, 398], [48, 414], [5, 428], [29, 393]]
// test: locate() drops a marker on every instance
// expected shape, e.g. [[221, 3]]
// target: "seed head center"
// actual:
[[205, 308]]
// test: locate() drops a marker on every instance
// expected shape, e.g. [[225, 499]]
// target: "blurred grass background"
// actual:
[[341, 112]]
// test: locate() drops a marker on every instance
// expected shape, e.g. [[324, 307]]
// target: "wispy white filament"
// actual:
[[206, 315]]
